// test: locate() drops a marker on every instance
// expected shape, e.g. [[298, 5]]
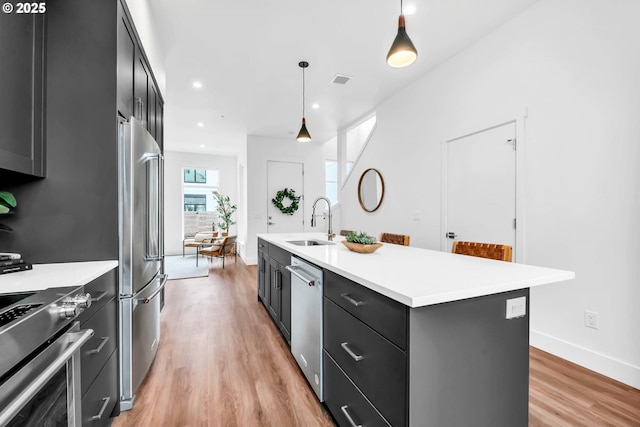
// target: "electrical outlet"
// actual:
[[516, 307], [591, 319]]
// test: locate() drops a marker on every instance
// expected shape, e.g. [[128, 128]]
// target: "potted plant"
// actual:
[[7, 203], [360, 242], [225, 210]]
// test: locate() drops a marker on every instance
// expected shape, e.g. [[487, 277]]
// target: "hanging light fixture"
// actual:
[[402, 52], [303, 135]]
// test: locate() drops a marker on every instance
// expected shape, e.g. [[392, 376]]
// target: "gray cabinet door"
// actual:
[[22, 51], [285, 302], [126, 65], [274, 292]]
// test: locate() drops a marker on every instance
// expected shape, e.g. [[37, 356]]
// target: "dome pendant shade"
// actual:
[[402, 52], [303, 135]]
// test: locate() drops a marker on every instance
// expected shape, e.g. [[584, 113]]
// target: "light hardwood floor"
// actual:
[[221, 362]]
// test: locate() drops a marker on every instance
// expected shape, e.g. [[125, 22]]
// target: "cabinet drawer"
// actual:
[[383, 314], [102, 397], [102, 290], [277, 253], [263, 246], [374, 364], [345, 401], [97, 350]]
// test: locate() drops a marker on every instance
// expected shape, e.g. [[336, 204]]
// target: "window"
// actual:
[[198, 204], [356, 139], [331, 180], [195, 203], [195, 175]]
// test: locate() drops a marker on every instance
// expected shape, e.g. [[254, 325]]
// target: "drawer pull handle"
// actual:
[[105, 402], [98, 348], [351, 300], [346, 414], [356, 357], [99, 297]]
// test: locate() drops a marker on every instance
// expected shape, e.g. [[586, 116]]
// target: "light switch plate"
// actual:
[[516, 307]]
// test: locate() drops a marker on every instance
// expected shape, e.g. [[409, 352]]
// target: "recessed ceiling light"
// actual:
[[197, 84], [201, 145], [315, 106], [409, 9], [200, 124]]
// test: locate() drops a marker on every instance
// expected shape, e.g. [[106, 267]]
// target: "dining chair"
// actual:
[[396, 239], [225, 247], [483, 250]]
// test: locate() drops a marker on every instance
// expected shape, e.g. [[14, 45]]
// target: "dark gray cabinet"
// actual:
[[22, 87], [92, 50], [262, 269], [274, 285], [453, 364], [361, 327], [127, 46], [99, 355]]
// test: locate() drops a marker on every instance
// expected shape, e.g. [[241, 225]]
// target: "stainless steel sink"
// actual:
[[309, 242]]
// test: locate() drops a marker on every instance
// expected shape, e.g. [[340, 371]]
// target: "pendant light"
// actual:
[[402, 52], [303, 135]]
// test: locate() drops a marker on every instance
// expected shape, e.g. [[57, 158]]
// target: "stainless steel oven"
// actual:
[[40, 363]]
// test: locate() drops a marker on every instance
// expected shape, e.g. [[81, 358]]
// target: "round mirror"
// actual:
[[370, 190]]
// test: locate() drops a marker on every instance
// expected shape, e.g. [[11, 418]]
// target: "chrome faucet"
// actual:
[[330, 233]]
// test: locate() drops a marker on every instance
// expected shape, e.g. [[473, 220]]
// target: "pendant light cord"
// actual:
[[401, 7], [303, 92]]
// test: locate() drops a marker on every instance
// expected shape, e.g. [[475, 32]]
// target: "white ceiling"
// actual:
[[246, 54]]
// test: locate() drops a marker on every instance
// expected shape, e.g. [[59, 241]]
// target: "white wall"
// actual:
[[574, 66], [173, 201], [261, 149], [145, 24]]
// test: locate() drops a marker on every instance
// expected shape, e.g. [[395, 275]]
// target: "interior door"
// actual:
[[481, 187], [281, 175]]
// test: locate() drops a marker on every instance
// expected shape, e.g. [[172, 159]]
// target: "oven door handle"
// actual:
[[77, 340]]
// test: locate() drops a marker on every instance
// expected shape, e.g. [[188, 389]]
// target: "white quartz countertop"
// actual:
[[418, 277], [56, 275]]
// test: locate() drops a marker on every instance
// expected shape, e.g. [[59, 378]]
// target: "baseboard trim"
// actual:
[[600, 363], [249, 261]]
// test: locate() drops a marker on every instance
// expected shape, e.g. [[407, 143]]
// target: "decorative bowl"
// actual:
[[360, 248]]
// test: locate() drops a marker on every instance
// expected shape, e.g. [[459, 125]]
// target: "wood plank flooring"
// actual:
[[222, 362]]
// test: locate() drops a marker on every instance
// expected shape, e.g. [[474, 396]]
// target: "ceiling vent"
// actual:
[[340, 79]]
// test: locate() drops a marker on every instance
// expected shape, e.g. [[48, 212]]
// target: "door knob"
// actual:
[[271, 223], [451, 235]]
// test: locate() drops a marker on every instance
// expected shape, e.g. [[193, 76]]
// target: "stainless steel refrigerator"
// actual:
[[141, 254]]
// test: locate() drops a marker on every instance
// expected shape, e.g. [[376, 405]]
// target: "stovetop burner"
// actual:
[[14, 313]]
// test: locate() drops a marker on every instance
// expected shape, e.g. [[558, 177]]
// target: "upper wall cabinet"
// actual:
[[138, 94], [126, 65], [21, 93]]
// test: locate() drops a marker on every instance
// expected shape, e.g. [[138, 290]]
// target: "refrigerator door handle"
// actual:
[[154, 208], [147, 300]]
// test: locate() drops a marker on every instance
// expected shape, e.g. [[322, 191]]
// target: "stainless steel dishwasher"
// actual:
[[306, 321]]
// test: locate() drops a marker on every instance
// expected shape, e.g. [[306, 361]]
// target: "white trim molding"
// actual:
[[598, 362]]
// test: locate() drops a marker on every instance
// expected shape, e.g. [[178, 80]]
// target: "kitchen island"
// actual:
[[414, 337]]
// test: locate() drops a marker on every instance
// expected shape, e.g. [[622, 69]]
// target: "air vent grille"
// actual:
[[340, 79]]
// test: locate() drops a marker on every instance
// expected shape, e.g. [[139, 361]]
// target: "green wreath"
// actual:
[[289, 194]]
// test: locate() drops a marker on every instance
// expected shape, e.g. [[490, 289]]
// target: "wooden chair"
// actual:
[[222, 249], [396, 239], [483, 250], [199, 240]]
